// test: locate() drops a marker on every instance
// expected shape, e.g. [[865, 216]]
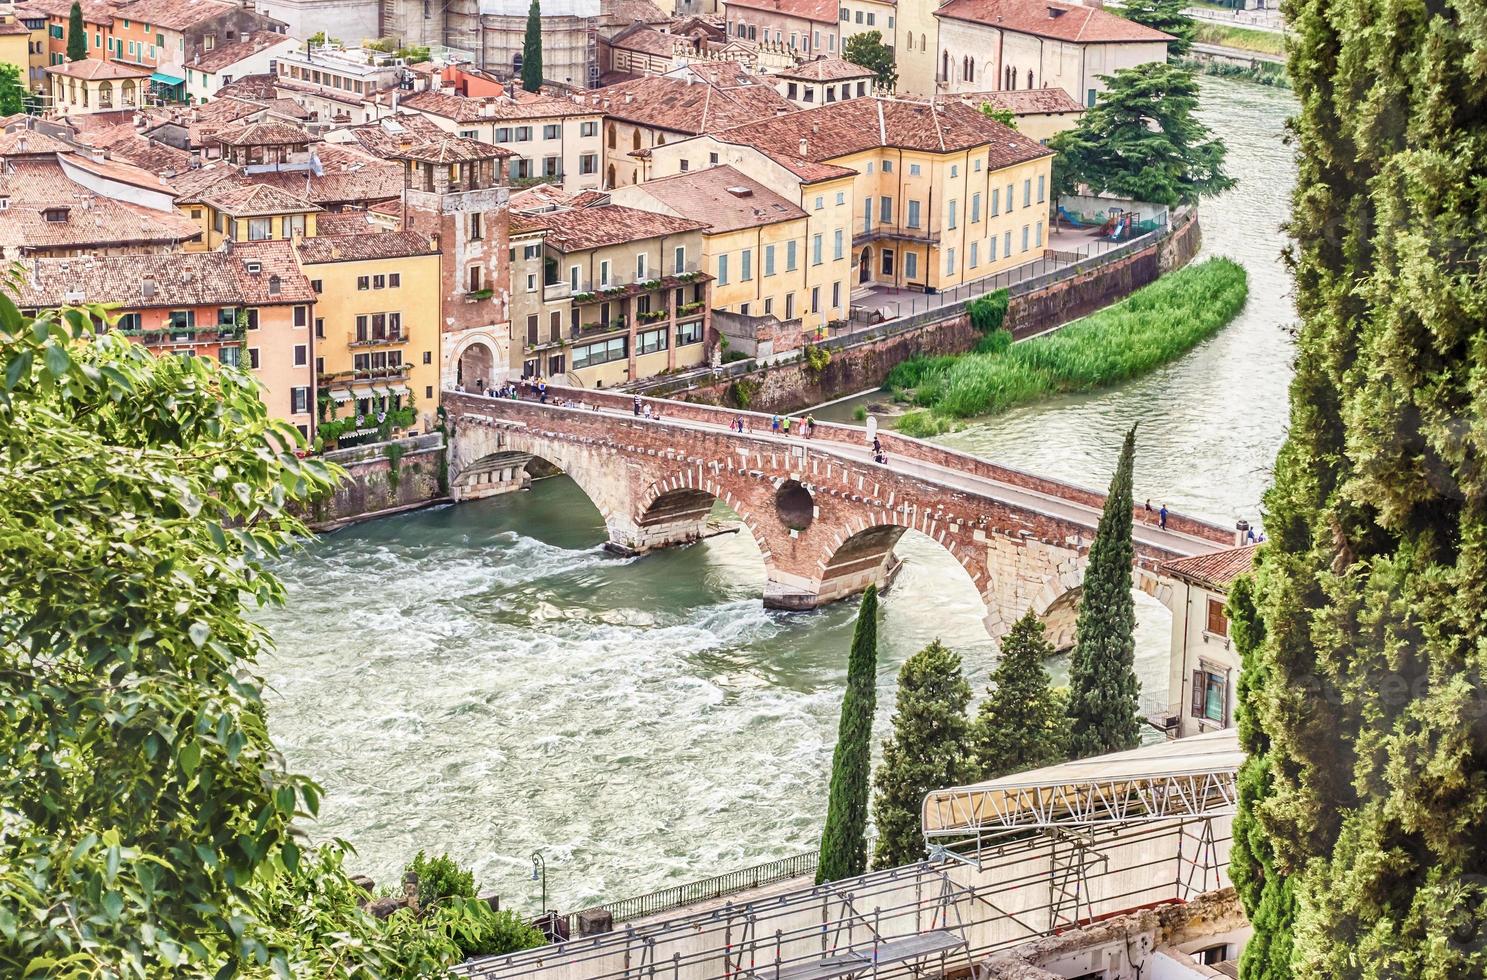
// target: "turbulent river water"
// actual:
[[485, 680]]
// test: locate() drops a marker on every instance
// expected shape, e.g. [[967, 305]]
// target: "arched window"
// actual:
[[611, 176], [635, 140], [1029, 78], [945, 65], [106, 95], [611, 135], [661, 139], [923, 44], [911, 42], [516, 63]]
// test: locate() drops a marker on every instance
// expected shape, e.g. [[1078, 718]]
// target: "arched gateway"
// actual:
[[825, 517]]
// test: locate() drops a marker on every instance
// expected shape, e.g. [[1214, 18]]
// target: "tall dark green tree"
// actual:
[[1104, 695], [1023, 723], [929, 749], [844, 841], [1372, 589], [531, 50], [1168, 16], [1141, 140], [77, 33]]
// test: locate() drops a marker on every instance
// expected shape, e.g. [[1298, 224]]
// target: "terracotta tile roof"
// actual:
[[826, 69], [92, 221], [802, 141], [261, 87], [645, 39], [227, 55], [262, 134], [538, 196], [27, 142], [119, 171], [14, 27], [94, 69], [350, 176], [94, 11], [1024, 102], [387, 245], [1051, 19], [824, 11], [698, 107], [275, 259], [620, 13], [152, 155], [177, 279], [385, 137], [338, 223], [175, 14], [527, 105], [610, 224], [191, 185], [257, 199], [452, 149], [1216, 570], [722, 196]]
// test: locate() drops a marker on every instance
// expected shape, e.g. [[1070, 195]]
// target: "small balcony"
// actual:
[[895, 231], [390, 338]]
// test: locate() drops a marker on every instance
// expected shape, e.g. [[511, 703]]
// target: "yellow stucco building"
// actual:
[[912, 195]]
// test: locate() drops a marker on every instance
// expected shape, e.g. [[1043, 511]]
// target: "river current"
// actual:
[[485, 680]]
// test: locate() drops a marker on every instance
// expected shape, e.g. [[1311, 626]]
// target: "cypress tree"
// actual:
[[1104, 705], [1372, 589], [929, 749], [844, 841], [1022, 724], [531, 50], [77, 33]]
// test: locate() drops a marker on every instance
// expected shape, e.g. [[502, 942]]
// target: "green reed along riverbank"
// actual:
[[1149, 328]]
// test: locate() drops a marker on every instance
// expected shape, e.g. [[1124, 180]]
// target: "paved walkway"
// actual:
[[1173, 541]]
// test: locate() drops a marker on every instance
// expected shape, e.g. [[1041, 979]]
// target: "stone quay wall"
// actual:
[[382, 480]]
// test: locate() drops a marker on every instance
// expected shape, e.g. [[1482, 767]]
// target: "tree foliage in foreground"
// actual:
[[868, 51], [1104, 695], [844, 841], [1022, 724], [1168, 16], [1368, 676], [145, 818], [929, 749], [1140, 140]]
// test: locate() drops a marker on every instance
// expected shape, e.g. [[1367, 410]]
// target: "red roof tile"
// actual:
[[345, 248], [1051, 19], [1215, 570], [824, 11], [826, 69], [722, 196], [610, 224], [692, 108]]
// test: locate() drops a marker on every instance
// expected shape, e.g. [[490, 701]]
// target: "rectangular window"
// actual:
[[996, 201], [950, 261], [746, 265], [1041, 180], [1210, 695], [888, 166], [913, 170], [1010, 203], [815, 299], [475, 227], [1038, 239], [689, 333], [954, 207], [1218, 620], [550, 131], [976, 208], [363, 282], [1027, 192], [1089, 98], [820, 202], [885, 209], [601, 352], [722, 270], [679, 260], [837, 245], [768, 260], [604, 272], [650, 341], [816, 249], [588, 129], [991, 249], [913, 214], [836, 295], [253, 358], [1024, 238], [790, 256], [301, 355], [588, 163], [974, 262], [260, 229], [1007, 245], [301, 316], [232, 356], [640, 266], [911, 265]]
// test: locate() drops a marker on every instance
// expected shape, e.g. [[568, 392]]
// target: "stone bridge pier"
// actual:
[[825, 524]]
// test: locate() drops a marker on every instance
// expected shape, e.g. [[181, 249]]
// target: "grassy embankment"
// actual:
[[1149, 328], [1243, 38]]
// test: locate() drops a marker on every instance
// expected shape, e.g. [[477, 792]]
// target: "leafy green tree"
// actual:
[[844, 841], [1140, 140], [1268, 897], [77, 33], [1104, 695], [1002, 115], [146, 826], [929, 749], [531, 50], [494, 933], [440, 877], [868, 51], [1023, 723], [12, 92], [1168, 16], [1369, 688]]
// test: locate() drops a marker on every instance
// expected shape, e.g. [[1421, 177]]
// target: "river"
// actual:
[[484, 680]]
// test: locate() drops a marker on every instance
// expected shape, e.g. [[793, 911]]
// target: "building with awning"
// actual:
[[168, 83]]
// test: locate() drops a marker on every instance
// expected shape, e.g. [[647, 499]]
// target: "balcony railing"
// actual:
[[392, 337], [213, 334], [867, 232]]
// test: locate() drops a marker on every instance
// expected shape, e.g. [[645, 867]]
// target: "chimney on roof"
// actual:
[[739, 190], [804, 146], [629, 97]]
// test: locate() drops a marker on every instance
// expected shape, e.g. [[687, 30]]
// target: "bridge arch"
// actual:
[[675, 509]]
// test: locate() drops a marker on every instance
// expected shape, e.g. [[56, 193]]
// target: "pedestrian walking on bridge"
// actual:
[[1162, 517], [637, 405], [786, 424]]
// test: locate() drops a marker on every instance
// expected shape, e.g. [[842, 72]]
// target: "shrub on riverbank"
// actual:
[[1149, 328], [1246, 39]]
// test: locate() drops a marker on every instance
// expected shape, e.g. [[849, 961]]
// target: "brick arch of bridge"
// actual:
[[655, 481]]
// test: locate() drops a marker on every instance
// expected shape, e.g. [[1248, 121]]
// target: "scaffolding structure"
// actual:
[[1054, 850]]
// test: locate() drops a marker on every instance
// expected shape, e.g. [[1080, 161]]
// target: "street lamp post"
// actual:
[[539, 870]]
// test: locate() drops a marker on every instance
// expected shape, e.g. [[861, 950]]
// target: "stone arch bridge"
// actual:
[[824, 515]]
